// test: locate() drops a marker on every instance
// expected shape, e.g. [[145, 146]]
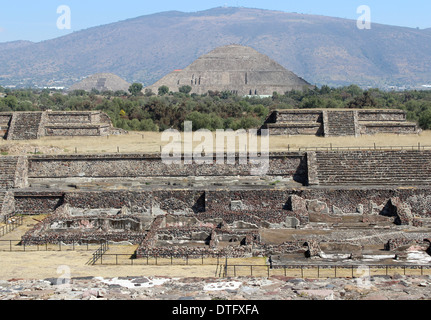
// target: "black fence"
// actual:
[[99, 253], [224, 269], [44, 245], [330, 147], [322, 271], [11, 224], [160, 259]]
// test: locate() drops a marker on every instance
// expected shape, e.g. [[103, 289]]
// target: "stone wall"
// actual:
[[368, 201], [72, 117], [295, 122], [387, 127], [256, 202], [298, 116], [72, 130], [381, 115], [294, 129], [287, 165], [34, 203], [370, 168]]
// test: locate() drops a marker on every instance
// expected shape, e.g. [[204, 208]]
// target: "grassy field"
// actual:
[[151, 142]]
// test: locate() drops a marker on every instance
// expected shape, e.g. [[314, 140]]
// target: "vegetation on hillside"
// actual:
[[214, 110]]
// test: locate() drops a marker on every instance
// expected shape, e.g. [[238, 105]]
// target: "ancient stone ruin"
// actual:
[[102, 82], [234, 68], [33, 125], [325, 205], [338, 122]]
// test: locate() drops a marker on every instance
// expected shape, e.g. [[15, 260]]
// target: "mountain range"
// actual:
[[320, 49]]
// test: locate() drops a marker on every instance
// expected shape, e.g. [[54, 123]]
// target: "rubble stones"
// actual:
[[240, 288]]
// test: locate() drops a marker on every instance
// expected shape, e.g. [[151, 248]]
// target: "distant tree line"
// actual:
[[148, 111]]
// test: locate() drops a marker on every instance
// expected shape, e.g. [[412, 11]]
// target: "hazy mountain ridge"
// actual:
[[14, 44], [322, 50]]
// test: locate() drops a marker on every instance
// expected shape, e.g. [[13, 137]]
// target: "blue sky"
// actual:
[[37, 20]]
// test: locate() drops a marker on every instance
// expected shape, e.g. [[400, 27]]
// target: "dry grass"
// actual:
[[151, 142]]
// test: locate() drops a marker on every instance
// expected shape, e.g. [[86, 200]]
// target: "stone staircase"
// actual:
[[405, 168], [7, 172], [340, 123], [25, 126]]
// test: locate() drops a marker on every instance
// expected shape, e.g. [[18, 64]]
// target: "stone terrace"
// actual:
[[306, 191], [33, 125], [395, 168], [338, 122]]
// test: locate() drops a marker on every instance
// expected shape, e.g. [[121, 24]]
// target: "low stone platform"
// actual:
[[33, 125], [338, 122]]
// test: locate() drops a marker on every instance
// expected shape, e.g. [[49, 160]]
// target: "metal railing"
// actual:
[[159, 259], [224, 269], [99, 253], [325, 271], [11, 224], [417, 147], [45, 245]]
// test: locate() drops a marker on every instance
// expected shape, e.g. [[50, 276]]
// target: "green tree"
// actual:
[[136, 89], [425, 120], [11, 102], [149, 93], [366, 100], [185, 89], [163, 90], [148, 125]]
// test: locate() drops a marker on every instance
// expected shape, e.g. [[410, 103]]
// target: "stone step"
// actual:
[[373, 170], [26, 125], [340, 171], [7, 172], [340, 123], [380, 178], [371, 167]]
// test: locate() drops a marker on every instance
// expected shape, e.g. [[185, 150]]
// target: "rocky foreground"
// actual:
[[397, 287]]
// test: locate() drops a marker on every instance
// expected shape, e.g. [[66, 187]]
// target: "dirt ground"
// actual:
[[151, 142], [53, 261], [43, 262]]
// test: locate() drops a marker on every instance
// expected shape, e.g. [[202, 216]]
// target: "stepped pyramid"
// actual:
[[102, 82], [235, 68]]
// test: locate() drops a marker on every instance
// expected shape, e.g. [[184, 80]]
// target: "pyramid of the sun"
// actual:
[[238, 69], [102, 82]]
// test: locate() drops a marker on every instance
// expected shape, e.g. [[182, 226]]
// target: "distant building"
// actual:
[[238, 69], [102, 82]]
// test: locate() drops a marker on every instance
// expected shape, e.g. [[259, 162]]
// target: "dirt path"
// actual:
[[42, 265]]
